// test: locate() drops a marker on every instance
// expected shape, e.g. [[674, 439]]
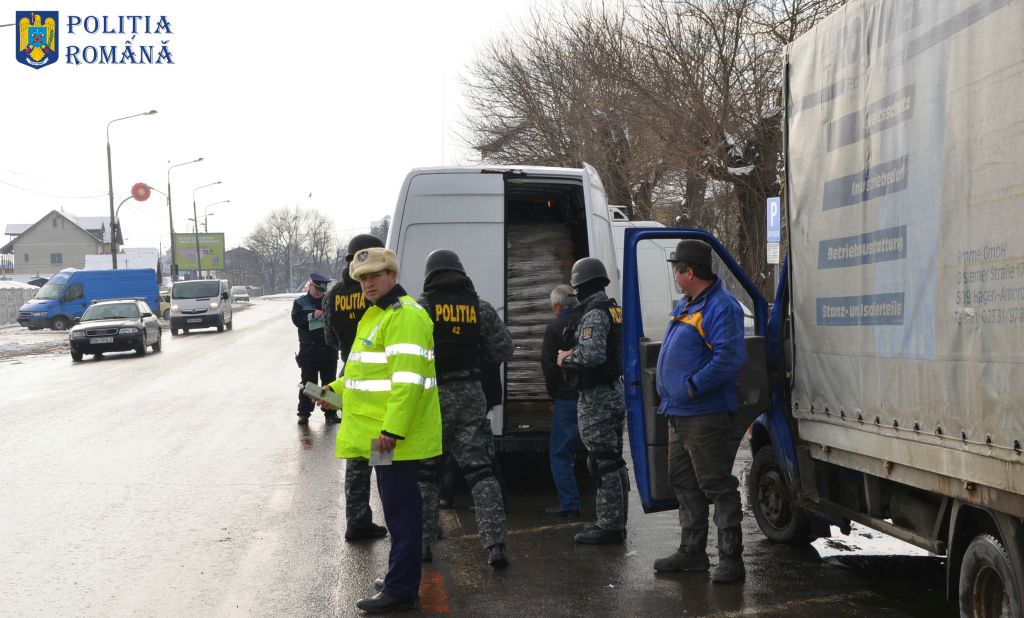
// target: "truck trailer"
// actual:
[[885, 383]]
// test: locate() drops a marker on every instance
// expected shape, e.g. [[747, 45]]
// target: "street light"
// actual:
[[195, 218], [205, 215], [110, 186], [170, 216]]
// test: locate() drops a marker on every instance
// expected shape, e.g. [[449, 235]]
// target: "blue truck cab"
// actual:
[[67, 294]]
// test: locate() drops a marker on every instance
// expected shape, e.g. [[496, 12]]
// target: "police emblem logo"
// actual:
[[363, 255], [36, 38], [587, 332]]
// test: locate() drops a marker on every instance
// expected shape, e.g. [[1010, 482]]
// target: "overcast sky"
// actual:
[[337, 100]]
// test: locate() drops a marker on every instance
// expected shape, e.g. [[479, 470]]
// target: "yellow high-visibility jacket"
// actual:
[[390, 384]]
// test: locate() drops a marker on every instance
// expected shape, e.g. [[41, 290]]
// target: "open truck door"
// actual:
[[647, 275]]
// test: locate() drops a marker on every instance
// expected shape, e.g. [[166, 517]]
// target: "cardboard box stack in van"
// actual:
[[540, 256]]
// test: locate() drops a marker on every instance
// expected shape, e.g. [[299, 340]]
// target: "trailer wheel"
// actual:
[[987, 584], [772, 501]]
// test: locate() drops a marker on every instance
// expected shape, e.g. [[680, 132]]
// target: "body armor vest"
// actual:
[[347, 307], [456, 316], [612, 368]]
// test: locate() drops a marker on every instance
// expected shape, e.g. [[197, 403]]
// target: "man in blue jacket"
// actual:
[[701, 357]]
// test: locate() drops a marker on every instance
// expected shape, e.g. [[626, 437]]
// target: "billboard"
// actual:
[[211, 248]]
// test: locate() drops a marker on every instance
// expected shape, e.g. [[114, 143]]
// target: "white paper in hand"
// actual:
[[378, 457], [314, 391]]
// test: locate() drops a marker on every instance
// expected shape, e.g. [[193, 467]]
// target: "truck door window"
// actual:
[[732, 284], [74, 292]]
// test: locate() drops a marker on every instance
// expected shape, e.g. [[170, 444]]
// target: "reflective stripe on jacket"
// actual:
[[390, 384]]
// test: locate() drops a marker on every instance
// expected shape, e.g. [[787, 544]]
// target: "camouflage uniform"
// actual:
[[601, 414], [467, 437]]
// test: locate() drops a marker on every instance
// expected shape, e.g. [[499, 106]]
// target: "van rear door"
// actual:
[[648, 431], [461, 211], [599, 227]]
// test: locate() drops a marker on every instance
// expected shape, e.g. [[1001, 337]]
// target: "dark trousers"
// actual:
[[320, 372], [403, 514], [701, 453], [565, 440]]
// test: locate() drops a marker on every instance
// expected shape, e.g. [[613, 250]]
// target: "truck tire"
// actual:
[[61, 322], [987, 584], [772, 501]]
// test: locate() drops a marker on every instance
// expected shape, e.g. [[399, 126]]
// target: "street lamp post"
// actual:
[[170, 217], [110, 188], [206, 227], [195, 217]]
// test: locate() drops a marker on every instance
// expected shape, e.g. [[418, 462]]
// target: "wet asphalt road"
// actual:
[[177, 484]]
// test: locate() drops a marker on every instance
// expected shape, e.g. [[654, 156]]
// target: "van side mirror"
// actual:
[[224, 295]]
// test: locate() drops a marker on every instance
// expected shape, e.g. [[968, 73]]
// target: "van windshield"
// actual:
[[196, 289], [50, 291]]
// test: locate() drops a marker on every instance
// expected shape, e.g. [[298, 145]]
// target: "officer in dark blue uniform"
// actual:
[[317, 360]]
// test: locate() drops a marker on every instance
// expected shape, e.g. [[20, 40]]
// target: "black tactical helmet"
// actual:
[[588, 269], [442, 259], [360, 242]]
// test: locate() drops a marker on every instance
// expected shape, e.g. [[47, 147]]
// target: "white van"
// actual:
[[518, 231], [201, 303]]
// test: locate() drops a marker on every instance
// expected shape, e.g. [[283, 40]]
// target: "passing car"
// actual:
[[115, 326], [239, 293]]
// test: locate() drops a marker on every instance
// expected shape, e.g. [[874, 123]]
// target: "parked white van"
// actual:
[[518, 231], [201, 303]]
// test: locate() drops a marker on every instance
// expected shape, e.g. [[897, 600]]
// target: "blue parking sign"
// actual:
[[774, 208]]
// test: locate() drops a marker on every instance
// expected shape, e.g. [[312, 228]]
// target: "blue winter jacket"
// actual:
[[703, 351]]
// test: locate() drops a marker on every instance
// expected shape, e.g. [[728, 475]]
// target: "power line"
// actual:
[[70, 197]]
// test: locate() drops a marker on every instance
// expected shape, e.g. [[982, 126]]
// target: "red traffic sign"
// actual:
[[140, 191]]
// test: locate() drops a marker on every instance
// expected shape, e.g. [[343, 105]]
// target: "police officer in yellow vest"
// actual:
[[344, 305], [389, 394]]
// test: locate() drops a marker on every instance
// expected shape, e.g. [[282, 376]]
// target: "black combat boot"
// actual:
[[692, 554], [597, 535], [365, 531], [496, 556], [730, 557]]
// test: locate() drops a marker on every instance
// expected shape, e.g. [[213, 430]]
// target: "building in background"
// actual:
[[242, 267], [59, 240]]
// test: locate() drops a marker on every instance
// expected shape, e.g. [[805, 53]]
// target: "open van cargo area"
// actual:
[[546, 233]]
